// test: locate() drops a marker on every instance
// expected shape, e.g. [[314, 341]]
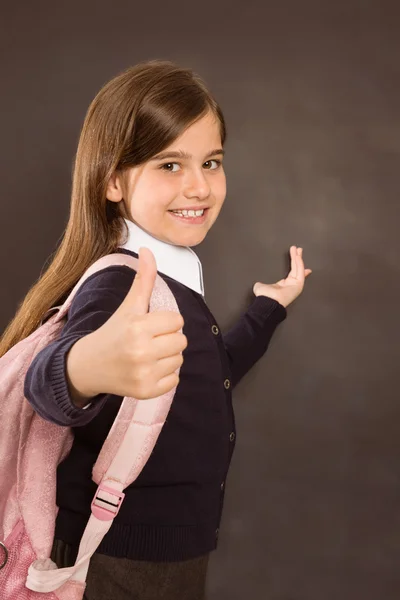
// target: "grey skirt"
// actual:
[[112, 578]]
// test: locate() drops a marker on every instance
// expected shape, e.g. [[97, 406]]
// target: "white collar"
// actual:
[[178, 262]]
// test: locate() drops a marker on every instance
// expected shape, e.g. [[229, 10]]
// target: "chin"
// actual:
[[194, 240], [186, 238], [196, 243]]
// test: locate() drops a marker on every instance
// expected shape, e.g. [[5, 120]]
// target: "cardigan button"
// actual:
[[217, 533], [232, 436], [215, 330], [227, 384], [222, 486]]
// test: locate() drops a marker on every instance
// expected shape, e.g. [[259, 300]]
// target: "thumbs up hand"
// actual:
[[135, 353]]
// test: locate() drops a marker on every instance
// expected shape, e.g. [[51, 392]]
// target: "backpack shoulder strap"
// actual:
[[109, 260], [125, 451]]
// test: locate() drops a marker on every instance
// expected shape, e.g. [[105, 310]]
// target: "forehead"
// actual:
[[206, 131]]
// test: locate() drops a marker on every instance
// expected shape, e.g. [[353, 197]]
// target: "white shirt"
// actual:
[[178, 262]]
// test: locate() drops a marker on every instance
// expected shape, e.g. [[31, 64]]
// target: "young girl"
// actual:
[[148, 176]]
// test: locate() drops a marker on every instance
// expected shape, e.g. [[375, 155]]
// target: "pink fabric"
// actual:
[[27, 501], [31, 448], [13, 576], [148, 415], [38, 452]]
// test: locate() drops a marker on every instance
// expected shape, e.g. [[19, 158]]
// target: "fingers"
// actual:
[[293, 262], [160, 323], [172, 344], [166, 384], [165, 373], [167, 366], [297, 264], [300, 264], [305, 272]]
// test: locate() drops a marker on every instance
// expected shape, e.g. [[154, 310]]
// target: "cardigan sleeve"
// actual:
[[249, 338], [45, 385]]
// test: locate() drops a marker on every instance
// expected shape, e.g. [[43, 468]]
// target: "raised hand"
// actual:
[[286, 290]]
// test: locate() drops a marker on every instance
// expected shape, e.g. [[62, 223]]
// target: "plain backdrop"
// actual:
[[311, 94]]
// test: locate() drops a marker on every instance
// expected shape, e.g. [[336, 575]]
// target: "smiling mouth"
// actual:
[[191, 217], [189, 213]]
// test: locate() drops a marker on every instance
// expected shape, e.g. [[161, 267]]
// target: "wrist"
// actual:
[[79, 371], [281, 302]]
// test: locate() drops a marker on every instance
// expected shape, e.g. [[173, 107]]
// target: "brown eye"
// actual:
[[208, 164], [167, 167]]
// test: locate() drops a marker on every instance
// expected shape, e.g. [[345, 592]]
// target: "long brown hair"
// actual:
[[133, 117]]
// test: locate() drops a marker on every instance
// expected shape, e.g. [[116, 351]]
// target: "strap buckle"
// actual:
[[106, 503]]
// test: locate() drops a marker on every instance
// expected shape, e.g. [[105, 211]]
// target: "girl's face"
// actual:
[[187, 176]]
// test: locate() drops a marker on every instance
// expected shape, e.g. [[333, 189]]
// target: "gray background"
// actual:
[[311, 95]]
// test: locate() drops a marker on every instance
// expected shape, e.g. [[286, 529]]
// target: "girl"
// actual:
[[148, 174]]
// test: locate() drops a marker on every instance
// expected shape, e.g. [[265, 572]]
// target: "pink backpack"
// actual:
[[31, 448]]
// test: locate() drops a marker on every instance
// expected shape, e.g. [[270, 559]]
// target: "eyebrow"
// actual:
[[182, 154]]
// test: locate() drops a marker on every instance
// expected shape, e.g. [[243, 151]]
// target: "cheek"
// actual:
[[153, 197], [162, 194], [219, 189]]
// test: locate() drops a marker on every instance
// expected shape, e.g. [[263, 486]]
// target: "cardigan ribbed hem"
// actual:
[[60, 387], [147, 542], [266, 308]]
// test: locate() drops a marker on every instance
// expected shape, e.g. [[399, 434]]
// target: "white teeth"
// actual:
[[189, 213]]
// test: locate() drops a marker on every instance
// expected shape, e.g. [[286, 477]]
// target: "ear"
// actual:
[[114, 190]]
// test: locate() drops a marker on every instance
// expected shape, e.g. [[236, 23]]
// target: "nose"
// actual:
[[196, 185]]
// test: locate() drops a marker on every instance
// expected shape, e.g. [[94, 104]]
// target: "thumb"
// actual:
[[138, 297], [256, 287]]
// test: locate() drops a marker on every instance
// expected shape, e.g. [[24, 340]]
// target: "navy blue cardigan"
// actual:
[[172, 511]]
